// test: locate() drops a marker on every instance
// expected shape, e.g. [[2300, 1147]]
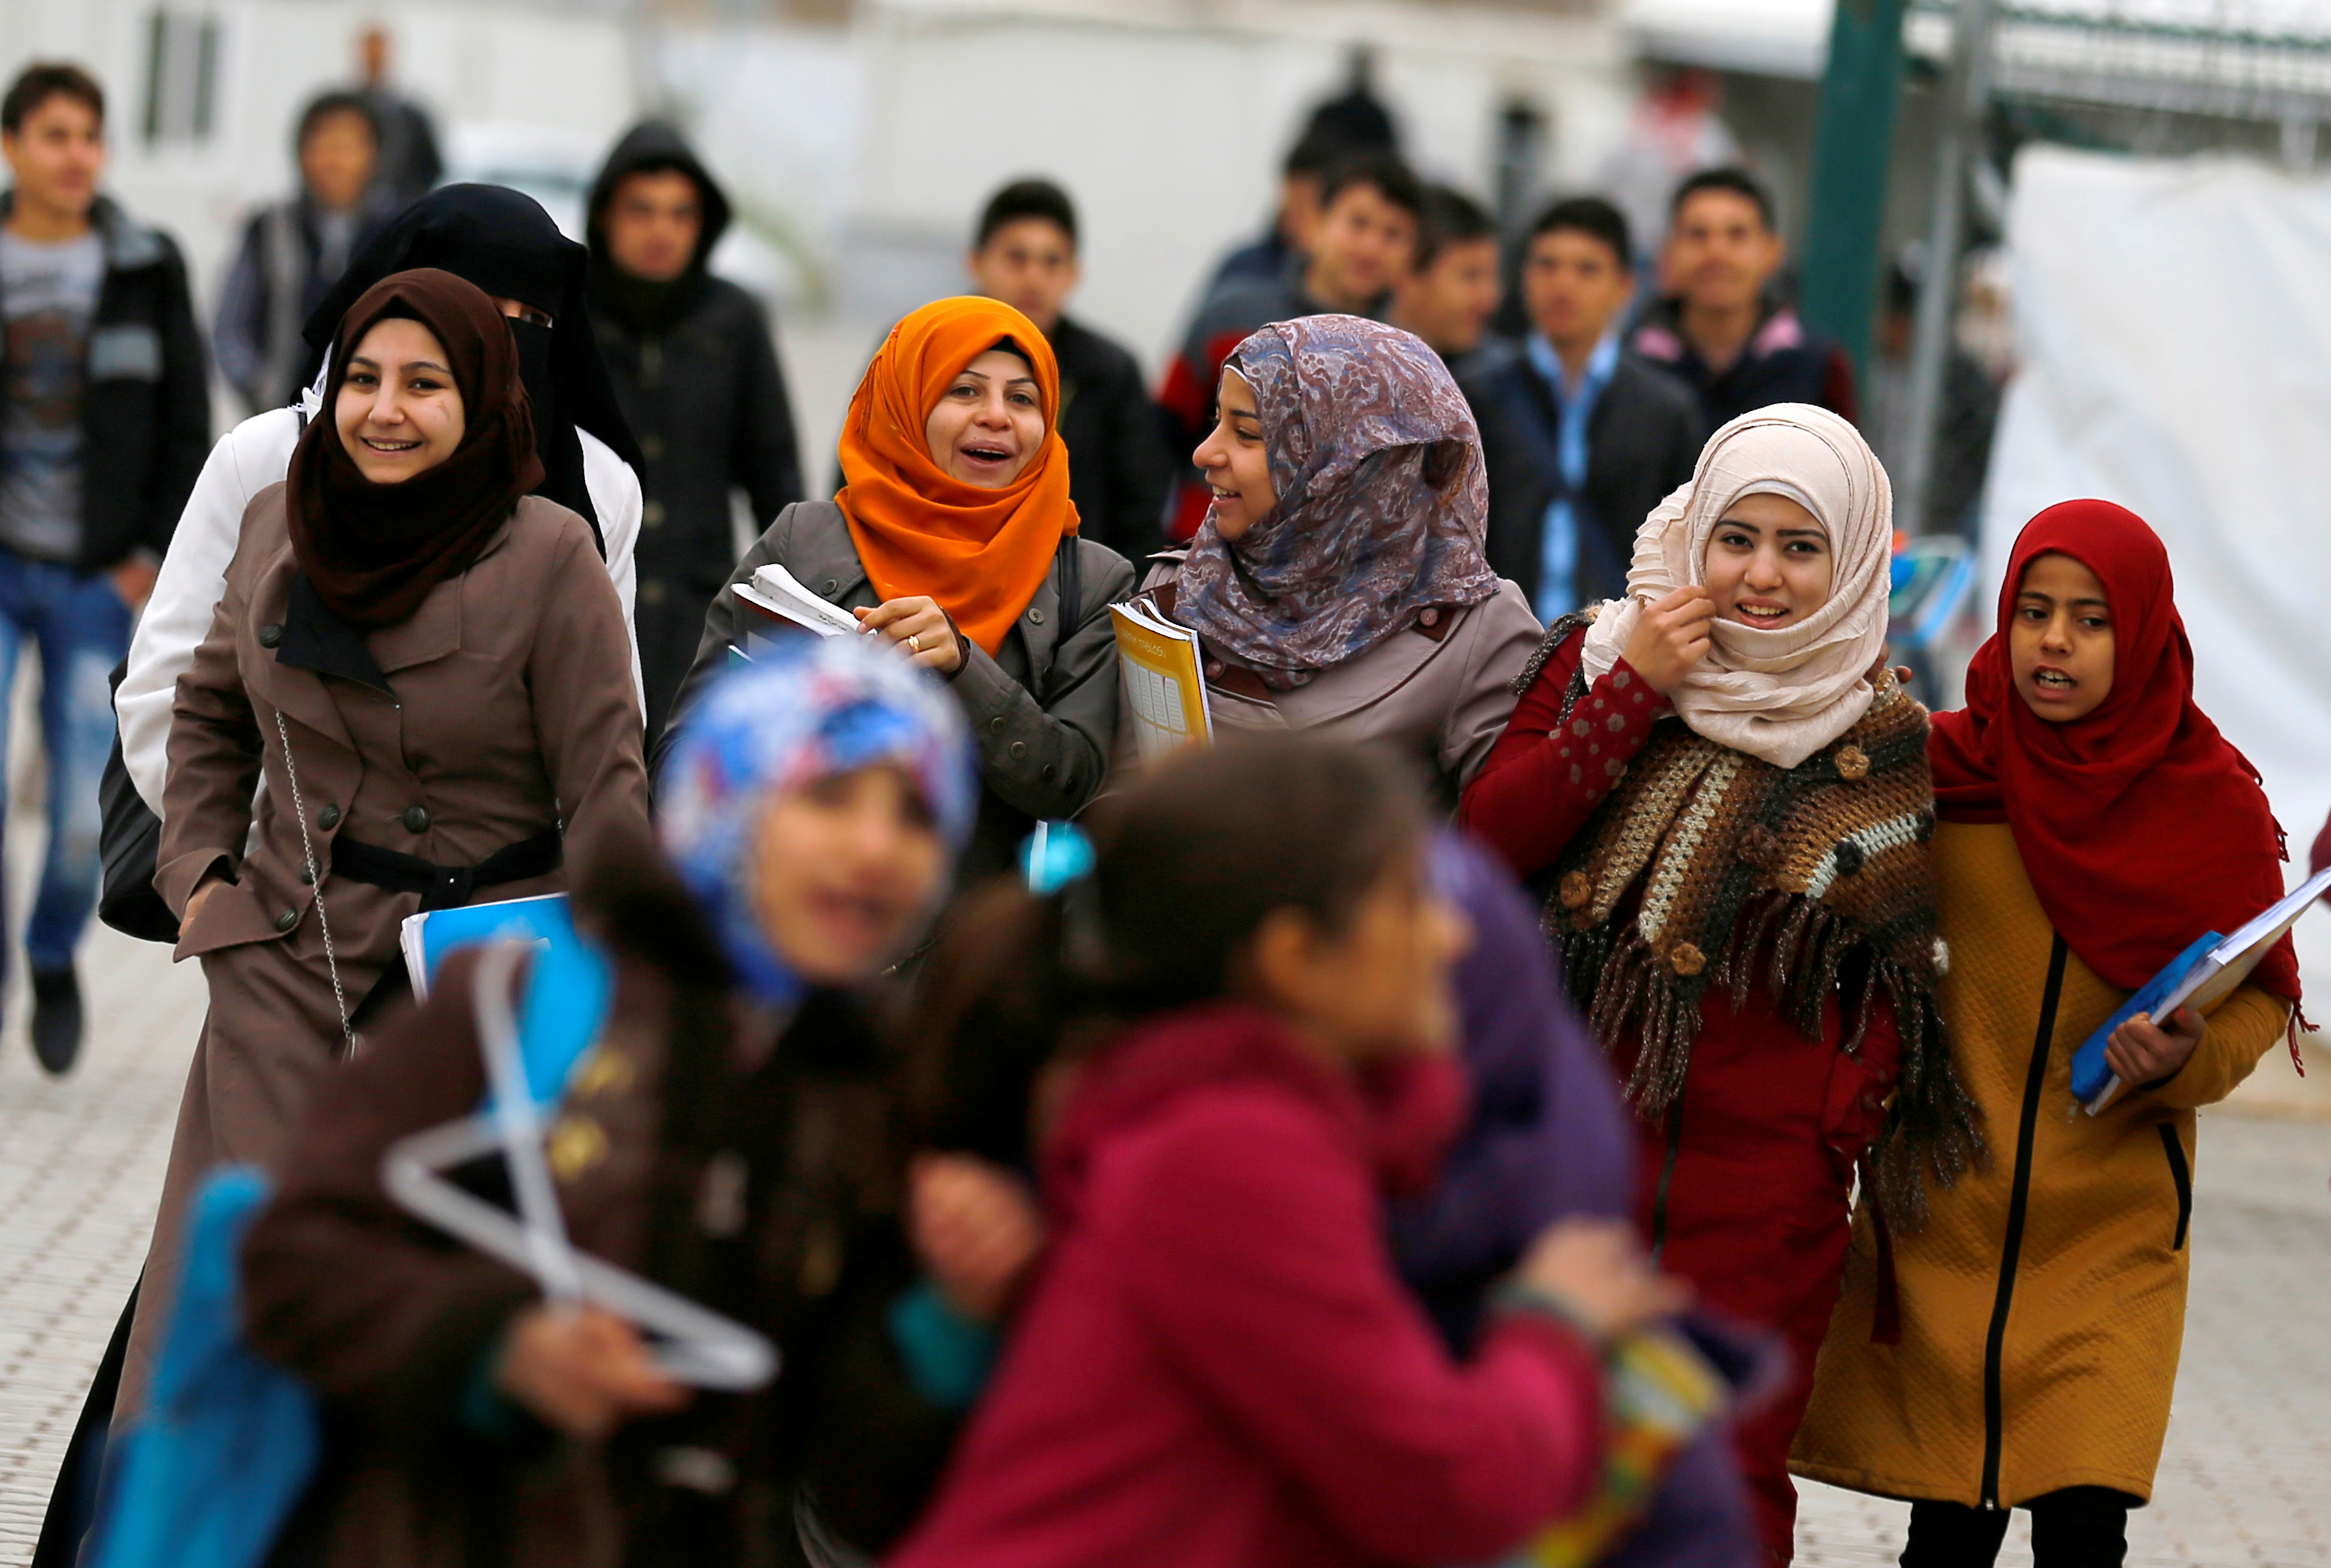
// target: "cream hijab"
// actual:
[[1781, 694]]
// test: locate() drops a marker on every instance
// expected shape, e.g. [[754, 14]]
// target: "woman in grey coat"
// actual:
[[1339, 581], [954, 537]]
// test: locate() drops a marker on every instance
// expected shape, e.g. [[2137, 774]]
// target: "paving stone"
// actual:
[[80, 1167]]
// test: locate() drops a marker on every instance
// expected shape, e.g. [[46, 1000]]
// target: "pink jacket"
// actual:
[[1219, 1367]]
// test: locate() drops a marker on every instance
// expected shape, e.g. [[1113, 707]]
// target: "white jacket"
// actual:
[[252, 456]]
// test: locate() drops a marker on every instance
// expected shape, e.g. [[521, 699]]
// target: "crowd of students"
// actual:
[[1252, 1194]]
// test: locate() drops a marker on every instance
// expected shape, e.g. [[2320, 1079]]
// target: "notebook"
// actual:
[[1165, 691], [777, 601], [428, 938], [2201, 977]]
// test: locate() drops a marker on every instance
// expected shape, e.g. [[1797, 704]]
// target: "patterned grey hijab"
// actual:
[[1382, 503]]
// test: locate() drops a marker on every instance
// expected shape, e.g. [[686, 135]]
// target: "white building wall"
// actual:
[[471, 63]]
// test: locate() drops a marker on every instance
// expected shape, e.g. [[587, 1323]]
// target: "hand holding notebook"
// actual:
[[2198, 978]]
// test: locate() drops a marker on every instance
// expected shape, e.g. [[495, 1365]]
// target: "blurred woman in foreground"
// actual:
[[1218, 1364], [733, 1135]]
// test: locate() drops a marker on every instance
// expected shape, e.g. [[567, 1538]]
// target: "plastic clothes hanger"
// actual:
[[695, 1345]]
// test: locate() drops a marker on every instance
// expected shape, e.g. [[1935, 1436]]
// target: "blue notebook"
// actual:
[[2199, 977], [2093, 1082], [428, 938], [567, 994]]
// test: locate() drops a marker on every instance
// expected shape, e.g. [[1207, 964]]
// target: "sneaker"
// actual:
[[56, 1019]]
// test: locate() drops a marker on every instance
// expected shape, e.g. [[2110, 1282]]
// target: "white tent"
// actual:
[[2174, 335]]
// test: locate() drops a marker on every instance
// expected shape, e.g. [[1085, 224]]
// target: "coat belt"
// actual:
[[446, 887]]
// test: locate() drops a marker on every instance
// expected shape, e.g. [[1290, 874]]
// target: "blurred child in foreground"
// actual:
[[735, 1134]]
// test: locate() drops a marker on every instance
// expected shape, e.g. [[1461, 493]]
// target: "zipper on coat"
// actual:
[[2018, 1201], [1667, 1178], [2182, 1174]]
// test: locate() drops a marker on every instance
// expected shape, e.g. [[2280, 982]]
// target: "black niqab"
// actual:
[[502, 242]]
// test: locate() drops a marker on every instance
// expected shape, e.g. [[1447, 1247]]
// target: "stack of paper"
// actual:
[[2199, 977], [1165, 690], [775, 602]]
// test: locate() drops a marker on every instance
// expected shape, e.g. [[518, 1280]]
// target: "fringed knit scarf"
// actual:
[[1745, 866]]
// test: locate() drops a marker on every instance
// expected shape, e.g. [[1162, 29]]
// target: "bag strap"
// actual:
[[315, 882], [1071, 560]]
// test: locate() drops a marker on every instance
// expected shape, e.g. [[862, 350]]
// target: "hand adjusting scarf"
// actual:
[[1382, 503], [1778, 836], [374, 551], [1781, 693]]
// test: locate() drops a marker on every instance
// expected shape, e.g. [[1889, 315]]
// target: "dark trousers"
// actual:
[[668, 620], [2077, 1527]]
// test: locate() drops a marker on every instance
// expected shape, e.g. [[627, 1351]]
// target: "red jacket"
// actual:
[[1219, 1367], [1744, 1189]]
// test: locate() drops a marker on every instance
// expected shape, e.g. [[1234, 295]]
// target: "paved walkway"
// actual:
[[2244, 1481], [80, 1165]]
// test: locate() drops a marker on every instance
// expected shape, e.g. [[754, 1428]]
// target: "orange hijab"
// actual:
[[980, 553]]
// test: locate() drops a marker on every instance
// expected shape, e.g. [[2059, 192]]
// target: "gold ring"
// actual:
[[913, 643]]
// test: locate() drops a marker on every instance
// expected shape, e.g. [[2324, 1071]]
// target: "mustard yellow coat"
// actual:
[[2043, 1302]]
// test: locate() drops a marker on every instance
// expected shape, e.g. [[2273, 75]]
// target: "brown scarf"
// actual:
[[374, 551], [1745, 867]]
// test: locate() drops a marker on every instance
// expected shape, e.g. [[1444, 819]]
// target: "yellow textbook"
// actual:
[[1165, 692]]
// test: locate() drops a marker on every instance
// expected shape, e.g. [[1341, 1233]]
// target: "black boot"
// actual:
[[56, 1019]]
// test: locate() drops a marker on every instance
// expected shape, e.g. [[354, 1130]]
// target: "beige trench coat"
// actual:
[[510, 712]]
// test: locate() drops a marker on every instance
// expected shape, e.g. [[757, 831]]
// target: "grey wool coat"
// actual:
[[505, 709], [1439, 693], [1043, 707]]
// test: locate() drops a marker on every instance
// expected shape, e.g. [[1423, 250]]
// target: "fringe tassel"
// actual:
[[1934, 1131]]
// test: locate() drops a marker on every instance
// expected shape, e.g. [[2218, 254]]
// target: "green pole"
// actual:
[[1854, 134]]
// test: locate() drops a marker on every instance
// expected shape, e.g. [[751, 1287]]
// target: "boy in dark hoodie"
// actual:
[[695, 366]]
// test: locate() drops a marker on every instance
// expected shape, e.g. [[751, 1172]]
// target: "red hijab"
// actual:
[[2140, 826]]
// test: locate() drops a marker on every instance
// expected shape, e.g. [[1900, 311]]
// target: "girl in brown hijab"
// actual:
[[428, 667]]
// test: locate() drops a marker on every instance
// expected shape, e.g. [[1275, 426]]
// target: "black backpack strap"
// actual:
[[130, 841]]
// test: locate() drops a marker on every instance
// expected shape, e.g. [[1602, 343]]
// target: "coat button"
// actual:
[[833, 584], [1049, 771], [652, 514], [1036, 617], [329, 817], [416, 819], [286, 921], [306, 878], [1019, 748], [269, 635], [995, 725], [651, 448]]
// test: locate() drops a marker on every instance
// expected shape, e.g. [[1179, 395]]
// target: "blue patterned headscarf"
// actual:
[[832, 705], [1383, 507]]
